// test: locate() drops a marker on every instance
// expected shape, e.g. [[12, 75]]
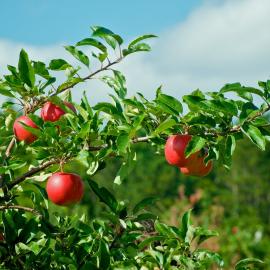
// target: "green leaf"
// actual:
[[248, 110], [134, 103], [194, 102], [6, 91], [199, 119], [243, 264], [195, 145], [103, 255], [71, 82], [93, 167], [122, 142], [242, 91], [59, 64], [9, 226], [186, 227], [165, 230], [150, 240], [224, 106], [50, 81], [72, 120], [118, 83], [13, 71], [86, 104], [34, 131], [111, 38], [82, 112], [121, 81], [145, 216], [171, 102], [104, 195], [168, 123], [26, 71], [226, 148], [204, 234], [143, 203], [255, 135], [125, 168], [41, 70], [109, 109], [79, 55], [92, 42], [135, 41], [140, 47]]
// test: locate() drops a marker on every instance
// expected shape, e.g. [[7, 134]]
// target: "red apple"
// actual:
[[197, 167], [51, 112], [20, 132], [175, 150], [65, 188]]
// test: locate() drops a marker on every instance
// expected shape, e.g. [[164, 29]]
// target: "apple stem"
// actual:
[[61, 165]]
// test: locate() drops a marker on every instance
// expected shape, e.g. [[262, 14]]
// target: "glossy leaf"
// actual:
[[137, 40], [92, 42], [26, 70], [59, 64], [111, 38], [79, 55]]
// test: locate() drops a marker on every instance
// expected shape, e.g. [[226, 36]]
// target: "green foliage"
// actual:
[[36, 236]]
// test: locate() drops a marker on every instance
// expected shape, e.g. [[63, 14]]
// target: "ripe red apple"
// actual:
[[197, 167], [65, 188], [51, 112], [20, 132], [175, 150]]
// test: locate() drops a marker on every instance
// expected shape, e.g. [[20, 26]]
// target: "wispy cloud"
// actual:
[[218, 43]]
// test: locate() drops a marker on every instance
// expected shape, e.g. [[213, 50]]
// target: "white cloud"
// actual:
[[219, 42], [9, 53]]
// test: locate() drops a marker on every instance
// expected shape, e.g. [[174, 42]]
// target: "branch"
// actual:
[[55, 161], [103, 146], [237, 128], [19, 207], [31, 173], [89, 76], [141, 139]]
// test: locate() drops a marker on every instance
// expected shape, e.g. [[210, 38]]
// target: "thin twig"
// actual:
[[141, 139], [103, 146], [19, 207], [32, 172], [89, 76]]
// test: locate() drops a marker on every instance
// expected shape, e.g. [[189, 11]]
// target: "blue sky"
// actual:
[[43, 22]]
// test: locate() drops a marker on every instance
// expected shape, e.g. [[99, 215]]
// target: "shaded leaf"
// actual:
[[104, 195]]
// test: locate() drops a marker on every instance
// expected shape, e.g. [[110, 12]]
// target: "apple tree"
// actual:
[[43, 131]]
